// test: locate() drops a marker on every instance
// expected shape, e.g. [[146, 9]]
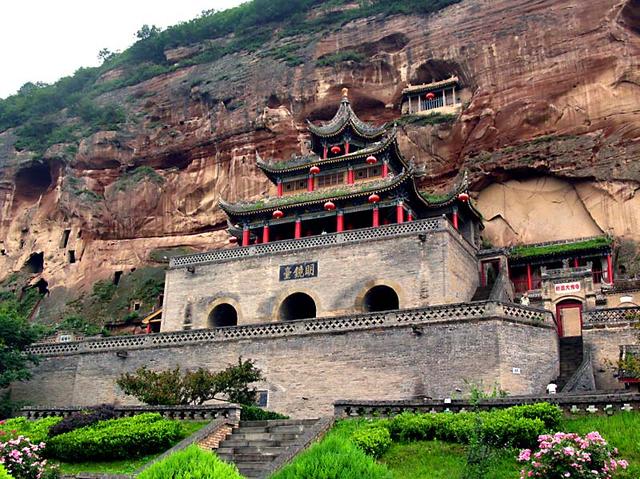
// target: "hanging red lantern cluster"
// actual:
[[314, 170], [372, 160], [329, 206], [277, 214], [336, 149], [464, 197], [374, 198], [430, 96], [233, 240]]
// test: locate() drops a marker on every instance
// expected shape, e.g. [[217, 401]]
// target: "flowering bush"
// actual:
[[570, 455], [22, 459]]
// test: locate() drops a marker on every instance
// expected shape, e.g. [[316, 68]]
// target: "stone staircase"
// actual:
[[256, 444], [570, 359], [482, 293]]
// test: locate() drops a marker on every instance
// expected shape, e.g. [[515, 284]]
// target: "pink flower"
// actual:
[[525, 455]]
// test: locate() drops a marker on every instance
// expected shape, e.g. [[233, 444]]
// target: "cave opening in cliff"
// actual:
[[65, 238], [72, 256], [35, 263], [33, 181], [434, 70], [630, 15], [116, 277], [43, 286]]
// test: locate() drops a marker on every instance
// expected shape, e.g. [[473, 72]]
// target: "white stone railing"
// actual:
[[433, 314], [387, 231]]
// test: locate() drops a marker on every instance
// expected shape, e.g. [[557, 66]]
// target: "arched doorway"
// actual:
[[380, 298], [223, 315], [297, 306], [569, 318]]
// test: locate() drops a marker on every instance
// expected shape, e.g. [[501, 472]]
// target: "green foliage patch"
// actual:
[[432, 119], [191, 463], [255, 413], [342, 56], [116, 439], [37, 431], [374, 440], [3, 473], [525, 251], [131, 178]]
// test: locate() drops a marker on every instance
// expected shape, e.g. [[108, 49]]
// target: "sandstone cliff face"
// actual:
[[551, 130]]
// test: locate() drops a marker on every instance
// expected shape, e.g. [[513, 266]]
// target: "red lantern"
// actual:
[[277, 214], [464, 197], [372, 160], [329, 206], [314, 170], [335, 149], [374, 198], [233, 240], [430, 96]]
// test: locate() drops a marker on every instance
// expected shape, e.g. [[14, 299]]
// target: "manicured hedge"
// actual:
[[255, 413], [116, 439], [517, 426], [334, 458], [36, 431], [191, 463], [373, 440], [83, 418]]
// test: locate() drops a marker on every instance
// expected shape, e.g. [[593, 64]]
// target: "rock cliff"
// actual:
[[550, 134]]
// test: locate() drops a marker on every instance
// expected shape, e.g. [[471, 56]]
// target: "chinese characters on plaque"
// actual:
[[567, 287], [298, 271]]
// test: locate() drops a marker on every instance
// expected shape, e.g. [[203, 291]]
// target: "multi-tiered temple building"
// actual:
[[338, 237]]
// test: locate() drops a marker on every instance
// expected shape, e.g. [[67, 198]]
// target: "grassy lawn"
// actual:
[[442, 460], [123, 466]]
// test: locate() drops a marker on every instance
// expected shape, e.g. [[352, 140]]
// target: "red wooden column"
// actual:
[[610, 268], [325, 152], [529, 278], [455, 218], [279, 188], [265, 233], [246, 235], [410, 217], [385, 169], [298, 229], [350, 176], [340, 222], [376, 216], [310, 182], [400, 213], [575, 262], [346, 148]]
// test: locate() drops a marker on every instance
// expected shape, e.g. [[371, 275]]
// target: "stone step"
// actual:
[[278, 422], [263, 436], [243, 458], [251, 450], [234, 443], [296, 428]]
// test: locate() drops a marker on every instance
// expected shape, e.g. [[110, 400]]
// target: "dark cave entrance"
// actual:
[[380, 298], [297, 306], [223, 315]]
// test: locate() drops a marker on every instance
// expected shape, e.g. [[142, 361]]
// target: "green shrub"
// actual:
[[549, 414], [374, 440], [191, 463], [116, 439], [255, 413], [501, 428], [3, 473], [333, 458], [36, 431]]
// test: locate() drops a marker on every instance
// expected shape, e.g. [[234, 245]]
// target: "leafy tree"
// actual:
[[147, 31], [172, 387], [16, 334]]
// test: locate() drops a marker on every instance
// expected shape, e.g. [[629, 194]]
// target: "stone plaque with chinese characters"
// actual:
[[299, 271]]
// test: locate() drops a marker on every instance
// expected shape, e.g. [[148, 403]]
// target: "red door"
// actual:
[[569, 318]]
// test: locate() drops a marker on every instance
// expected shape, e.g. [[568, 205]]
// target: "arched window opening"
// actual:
[[223, 315], [380, 298], [297, 306]]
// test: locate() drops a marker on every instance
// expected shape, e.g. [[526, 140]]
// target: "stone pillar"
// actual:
[[340, 222], [246, 235]]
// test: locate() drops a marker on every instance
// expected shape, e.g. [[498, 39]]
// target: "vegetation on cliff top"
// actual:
[[35, 111]]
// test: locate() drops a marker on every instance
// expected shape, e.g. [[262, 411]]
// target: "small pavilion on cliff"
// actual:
[[356, 177]]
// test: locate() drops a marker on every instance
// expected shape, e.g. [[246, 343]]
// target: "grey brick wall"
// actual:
[[306, 373], [442, 269], [604, 344]]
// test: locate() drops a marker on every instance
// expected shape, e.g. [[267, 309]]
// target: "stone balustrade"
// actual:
[[569, 403], [227, 411], [416, 317], [606, 316], [331, 239]]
